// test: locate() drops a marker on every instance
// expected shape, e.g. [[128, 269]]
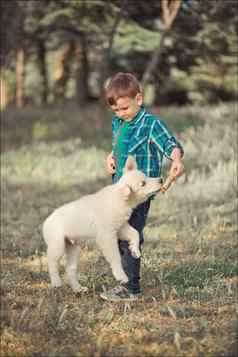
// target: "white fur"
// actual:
[[102, 215]]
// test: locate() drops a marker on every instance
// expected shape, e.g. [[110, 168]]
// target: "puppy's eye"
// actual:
[[142, 183]]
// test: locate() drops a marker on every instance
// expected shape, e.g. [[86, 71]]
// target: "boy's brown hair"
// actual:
[[122, 85]]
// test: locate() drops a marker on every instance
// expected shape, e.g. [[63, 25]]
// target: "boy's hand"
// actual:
[[175, 171], [176, 168], [111, 164]]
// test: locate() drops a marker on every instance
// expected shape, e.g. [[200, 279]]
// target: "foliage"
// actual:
[[198, 62]]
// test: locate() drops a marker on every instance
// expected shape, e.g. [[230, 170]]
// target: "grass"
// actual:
[[189, 266]]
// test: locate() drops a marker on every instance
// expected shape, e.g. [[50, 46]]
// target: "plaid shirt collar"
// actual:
[[137, 117]]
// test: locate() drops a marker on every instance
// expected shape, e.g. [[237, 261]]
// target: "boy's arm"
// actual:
[[162, 137], [169, 146]]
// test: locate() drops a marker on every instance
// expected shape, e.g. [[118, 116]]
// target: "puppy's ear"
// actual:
[[130, 164]]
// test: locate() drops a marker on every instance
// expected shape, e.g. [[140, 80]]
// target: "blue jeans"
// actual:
[[130, 264]]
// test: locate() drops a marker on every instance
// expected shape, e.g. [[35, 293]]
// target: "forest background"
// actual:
[[182, 51], [56, 57]]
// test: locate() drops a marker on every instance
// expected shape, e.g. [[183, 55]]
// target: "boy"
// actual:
[[136, 132]]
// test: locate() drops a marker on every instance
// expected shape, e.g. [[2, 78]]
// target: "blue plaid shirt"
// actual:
[[147, 139]]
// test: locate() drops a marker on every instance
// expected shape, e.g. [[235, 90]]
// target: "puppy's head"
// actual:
[[137, 188]]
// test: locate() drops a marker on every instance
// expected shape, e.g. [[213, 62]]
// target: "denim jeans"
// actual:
[[130, 264]]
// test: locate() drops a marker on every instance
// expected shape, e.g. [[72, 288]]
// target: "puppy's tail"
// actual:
[[51, 230]]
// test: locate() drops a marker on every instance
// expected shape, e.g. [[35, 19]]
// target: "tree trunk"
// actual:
[[4, 91], [20, 76], [153, 61], [170, 10], [62, 70], [106, 58], [44, 84], [82, 72]]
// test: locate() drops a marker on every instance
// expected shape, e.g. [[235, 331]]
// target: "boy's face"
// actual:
[[126, 108]]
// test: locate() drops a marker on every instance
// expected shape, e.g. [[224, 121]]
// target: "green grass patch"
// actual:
[[59, 163], [189, 275]]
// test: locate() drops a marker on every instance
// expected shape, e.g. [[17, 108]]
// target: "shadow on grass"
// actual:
[[183, 277], [202, 281], [91, 124]]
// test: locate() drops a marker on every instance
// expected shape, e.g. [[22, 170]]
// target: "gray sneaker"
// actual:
[[119, 293]]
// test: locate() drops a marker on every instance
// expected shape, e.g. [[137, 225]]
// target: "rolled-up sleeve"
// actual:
[[161, 136]]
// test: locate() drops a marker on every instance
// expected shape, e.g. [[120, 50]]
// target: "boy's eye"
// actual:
[[143, 183]]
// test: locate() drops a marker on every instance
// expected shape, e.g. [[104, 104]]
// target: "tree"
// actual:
[[202, 64], [169, 13], [171, 44], [21, 38], [62, 69], [13, 45], [41, 51], [86, 24]]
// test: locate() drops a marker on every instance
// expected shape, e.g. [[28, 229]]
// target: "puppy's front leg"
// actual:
[[108, 243], [130, 234]]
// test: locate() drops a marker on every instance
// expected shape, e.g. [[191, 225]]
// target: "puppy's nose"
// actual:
[[161, 180]]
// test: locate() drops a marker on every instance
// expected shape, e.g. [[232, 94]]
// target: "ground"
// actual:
[[188, 305]]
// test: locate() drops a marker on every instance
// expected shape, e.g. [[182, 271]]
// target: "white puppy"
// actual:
[[102, 215]]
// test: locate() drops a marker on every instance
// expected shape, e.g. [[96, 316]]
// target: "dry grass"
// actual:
[[189, 271]]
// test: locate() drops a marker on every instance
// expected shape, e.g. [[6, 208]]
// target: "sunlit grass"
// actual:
[[58, 163]]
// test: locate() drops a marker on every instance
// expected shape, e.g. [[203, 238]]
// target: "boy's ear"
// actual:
[[130, 164], [139, 99]]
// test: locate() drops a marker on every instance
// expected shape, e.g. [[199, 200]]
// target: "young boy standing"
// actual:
[[140, 134]]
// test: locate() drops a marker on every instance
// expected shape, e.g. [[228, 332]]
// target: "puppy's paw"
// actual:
[[83, 289], [124, 280], [135, 253], [122, 277], [80, 289], [56, 283]]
